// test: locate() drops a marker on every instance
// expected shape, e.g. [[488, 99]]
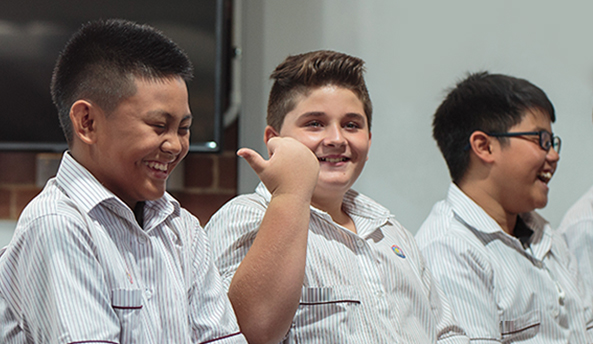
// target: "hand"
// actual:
[[291, 169]]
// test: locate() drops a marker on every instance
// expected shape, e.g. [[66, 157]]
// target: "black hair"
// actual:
[[101, 60], [485, 102]]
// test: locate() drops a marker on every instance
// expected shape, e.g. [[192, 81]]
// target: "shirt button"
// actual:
[[142, 240], [148, 293], [359, 243]]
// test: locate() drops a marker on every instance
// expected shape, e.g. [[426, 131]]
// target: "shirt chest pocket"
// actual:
[[128, 304], [520, 328], [323, 309]]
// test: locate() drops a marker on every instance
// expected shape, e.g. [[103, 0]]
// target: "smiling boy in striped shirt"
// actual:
[[103, 254], [509, 277], [305, 258]]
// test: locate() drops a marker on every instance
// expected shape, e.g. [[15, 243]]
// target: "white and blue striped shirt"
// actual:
[[80, 269], [577, 229], [501, 292], [365, 287]]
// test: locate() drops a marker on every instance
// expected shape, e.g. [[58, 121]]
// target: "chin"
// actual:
[[334, 184], [154, 194], [540, 204]]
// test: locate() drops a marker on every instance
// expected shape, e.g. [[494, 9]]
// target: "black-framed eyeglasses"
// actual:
[[547, 140]]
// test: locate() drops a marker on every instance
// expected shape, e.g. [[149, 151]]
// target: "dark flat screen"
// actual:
[[33, 32]]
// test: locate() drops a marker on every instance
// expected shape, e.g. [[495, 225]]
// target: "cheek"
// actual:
[[185, 143], [311, 140], [362, 145]]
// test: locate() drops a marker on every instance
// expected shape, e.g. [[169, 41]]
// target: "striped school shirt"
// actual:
[[500, 291], [577, 230], [370, 287], [80, 269]]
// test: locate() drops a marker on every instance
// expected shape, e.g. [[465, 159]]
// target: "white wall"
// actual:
[[415, 50], [6, 231]]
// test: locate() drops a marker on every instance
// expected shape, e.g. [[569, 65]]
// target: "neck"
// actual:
[[486, 199], [333, 206]]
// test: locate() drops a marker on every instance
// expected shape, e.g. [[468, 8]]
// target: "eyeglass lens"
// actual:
[[547, 141]]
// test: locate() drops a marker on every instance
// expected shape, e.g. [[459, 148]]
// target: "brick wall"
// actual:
[[209, 180]]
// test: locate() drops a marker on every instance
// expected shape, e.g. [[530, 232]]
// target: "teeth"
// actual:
[[333, 159], [157, 166], [545, 176]]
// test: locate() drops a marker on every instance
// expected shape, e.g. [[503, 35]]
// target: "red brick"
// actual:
[[4, 203], [23, 197], [199, 170], [17, 167], [227, 172], [203, 206], [231, 137]]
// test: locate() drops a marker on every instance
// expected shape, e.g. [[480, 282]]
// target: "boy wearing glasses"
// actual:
[[507, 275]]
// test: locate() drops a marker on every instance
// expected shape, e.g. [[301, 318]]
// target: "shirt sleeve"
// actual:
[[466, 280], [579, 238], [211, 314], [10, 330], [232, 231], [53, 281], [447, 327]]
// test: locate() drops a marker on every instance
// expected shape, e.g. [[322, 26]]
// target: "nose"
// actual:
[[334, 136], [552, 155], [172, 144]]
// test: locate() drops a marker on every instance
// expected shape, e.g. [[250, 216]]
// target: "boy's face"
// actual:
[[332, 123], [524, 168], [142, 140]]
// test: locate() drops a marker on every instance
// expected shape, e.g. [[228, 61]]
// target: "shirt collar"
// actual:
[[80, 185], [87, 192], [471, 214], [354, 203]]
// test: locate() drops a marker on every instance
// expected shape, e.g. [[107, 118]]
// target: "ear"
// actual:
[[370, 141], [270, 132], [481, 146], [82, 115]]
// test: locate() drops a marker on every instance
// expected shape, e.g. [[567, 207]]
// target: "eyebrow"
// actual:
[[352, 115], [158, 113]]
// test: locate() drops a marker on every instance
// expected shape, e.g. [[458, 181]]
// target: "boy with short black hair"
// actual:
[[103, 253], [509, 277], [305, 258]]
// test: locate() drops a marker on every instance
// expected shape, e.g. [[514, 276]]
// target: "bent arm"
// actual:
[[266, 287]]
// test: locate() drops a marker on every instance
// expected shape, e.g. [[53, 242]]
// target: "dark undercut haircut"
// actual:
[[298, 75], [103, 58], [485, 102]]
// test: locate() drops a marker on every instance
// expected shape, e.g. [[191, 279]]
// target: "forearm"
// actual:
[[266, 288]]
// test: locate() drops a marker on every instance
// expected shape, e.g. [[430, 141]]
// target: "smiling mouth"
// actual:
[[333, 160], [157, 166], [544, 176]]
